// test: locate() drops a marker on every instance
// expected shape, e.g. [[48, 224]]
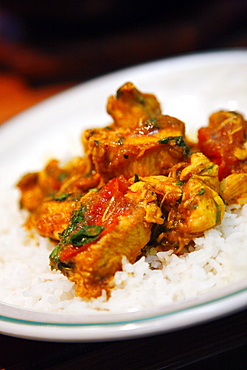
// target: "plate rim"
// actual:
[[152, 326], [48, 104]]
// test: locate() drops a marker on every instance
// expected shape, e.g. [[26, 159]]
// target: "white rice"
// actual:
[[217, 260]]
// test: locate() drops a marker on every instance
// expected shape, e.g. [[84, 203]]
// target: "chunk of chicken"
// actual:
[[92, 248], [57, 182], [151, 149], [31, 193], [35, 186], [201, 168], [130, 107], [233, 189], [189, 201], [201, 208], [167, 190], [196, 206], [52, 217]]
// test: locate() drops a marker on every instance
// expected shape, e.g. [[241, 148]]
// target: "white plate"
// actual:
[[190, 88]]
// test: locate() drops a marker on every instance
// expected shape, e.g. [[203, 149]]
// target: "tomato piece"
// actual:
[[222, 139], [107, 205], [112, 192]]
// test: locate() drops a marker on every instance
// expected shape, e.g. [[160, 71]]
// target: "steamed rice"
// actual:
[[216, 260]]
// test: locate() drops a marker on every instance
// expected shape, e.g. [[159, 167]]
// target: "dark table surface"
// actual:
[[220, 343]]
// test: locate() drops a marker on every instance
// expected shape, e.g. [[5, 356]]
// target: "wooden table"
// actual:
[[16, 95]]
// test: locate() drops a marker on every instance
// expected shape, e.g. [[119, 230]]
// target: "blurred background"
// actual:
[[47, 46]]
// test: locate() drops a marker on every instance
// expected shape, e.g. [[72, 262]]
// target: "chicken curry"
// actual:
[[140, 184]]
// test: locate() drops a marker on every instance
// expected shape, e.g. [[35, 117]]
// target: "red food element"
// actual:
[[105, 208], [99, 212], [223, 139]]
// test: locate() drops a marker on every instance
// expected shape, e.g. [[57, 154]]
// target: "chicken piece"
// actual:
[[115, 222], [54, 181], [151, 149], [201, 168], [166, 188], [31, 193], [189, 201], [223, 141], [130, 107], [233, 189], [201, 209], [52, 194], [145, 196], [51, 177], [198, 209], [52, 216], [80, 183], [35, 186]]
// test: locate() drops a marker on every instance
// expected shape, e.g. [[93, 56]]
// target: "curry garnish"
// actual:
[[179, 140]]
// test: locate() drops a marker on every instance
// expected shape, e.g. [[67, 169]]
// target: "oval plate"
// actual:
[[190, 88]]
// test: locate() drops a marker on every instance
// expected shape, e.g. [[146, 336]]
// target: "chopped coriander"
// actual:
[[85, 235], [77, 216], [61, 197], [179, 140], [201, 191], [218, 213]]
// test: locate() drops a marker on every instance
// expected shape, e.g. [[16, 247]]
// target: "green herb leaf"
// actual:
[[151, 123], [61, 197], [75, 235], [218, 213], [54, 257], [179, 140], [200, 192], [85, 235], [77, 216]]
